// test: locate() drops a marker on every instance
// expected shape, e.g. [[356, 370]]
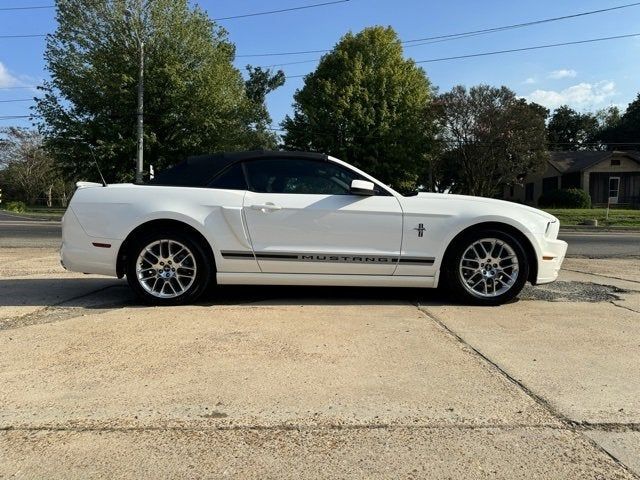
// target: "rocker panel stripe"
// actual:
[[328, 258]]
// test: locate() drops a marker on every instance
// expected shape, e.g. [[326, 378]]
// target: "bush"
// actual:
[[17, 207], [565, 198]]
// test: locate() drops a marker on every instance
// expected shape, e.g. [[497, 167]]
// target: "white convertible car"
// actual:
[[290, 218]]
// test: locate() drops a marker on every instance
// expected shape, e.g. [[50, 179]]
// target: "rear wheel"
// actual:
[[487, 267], [167, 268]]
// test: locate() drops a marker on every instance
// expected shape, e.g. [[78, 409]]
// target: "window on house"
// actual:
[[615, 162], [528, 192]]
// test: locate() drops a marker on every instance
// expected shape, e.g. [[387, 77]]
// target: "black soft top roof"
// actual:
[[198, 171]]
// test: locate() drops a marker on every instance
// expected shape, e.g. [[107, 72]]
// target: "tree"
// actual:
[[26, 170], [367, 105], [625, 133], [195, 99], [608, 117], [570, 130], [490, 138], [260, 83]]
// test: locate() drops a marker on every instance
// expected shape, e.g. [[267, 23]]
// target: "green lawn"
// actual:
[[617, 218]]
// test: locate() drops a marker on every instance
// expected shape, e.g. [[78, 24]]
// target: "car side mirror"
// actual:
[[362, 187]]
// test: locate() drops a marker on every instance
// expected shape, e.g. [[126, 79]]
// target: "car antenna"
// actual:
[[95, 161]]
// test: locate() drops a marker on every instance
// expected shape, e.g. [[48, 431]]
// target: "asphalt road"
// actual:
[[16, 231], [602, 245]]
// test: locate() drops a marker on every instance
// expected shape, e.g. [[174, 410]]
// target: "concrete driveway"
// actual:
[[318, 383]]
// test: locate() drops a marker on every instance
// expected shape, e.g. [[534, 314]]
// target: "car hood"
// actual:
[[503, 205]]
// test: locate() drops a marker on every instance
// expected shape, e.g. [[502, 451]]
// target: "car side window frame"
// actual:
[[226, 170], [379, 190]]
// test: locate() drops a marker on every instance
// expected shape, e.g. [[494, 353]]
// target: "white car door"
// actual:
[[302, 218]]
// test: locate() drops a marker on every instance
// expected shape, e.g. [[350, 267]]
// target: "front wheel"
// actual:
[[167, 268], [487, 267]]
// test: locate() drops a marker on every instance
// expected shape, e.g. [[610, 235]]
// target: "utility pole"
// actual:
[[140, 156], [135, 24]]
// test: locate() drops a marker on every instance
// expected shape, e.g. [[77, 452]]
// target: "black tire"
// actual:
[[460, 287], [194, 285]]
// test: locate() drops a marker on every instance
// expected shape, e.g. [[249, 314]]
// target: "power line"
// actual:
[[28, 35], [524, 49], [16, 88], [17, 100], [246, 15], [454, 36], [485, 54], [232, 17], [283, 10], [291, 63], [527, 24], [35, 7]]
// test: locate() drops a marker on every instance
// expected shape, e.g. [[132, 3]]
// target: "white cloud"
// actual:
[[563, 73], [530, 81], [578, 96], [6, 79]]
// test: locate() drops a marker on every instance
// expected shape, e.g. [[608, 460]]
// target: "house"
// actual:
[[602, 174]]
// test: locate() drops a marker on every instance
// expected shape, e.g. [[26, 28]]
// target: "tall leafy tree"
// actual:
[[608, 117], [368, 105], [195, 99], [624, 134], [490, 138], [260, 83], [570, 130]]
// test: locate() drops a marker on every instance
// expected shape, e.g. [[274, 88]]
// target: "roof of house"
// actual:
[[567, 162]]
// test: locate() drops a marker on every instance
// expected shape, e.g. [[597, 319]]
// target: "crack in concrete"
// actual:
[[569, 424], [285, 427], [604, 276], [624, 307], [537, 398], [607, 426]]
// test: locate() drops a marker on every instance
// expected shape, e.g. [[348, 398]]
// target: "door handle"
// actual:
[[267, 207]]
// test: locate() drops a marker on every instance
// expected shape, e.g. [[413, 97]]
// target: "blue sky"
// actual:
[[587, 77]]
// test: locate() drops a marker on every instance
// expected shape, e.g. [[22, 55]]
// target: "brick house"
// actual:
[[602, 174]]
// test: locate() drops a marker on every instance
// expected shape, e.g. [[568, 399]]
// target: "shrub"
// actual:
[[565, 198], [17, 207]]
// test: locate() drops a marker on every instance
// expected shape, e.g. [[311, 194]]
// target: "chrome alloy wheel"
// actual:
[[489, 268], [166, 268]]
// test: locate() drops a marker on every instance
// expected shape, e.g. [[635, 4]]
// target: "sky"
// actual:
[[586, 77]]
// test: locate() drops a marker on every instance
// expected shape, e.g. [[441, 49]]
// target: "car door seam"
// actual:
[[245, 227], [401, 236]]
